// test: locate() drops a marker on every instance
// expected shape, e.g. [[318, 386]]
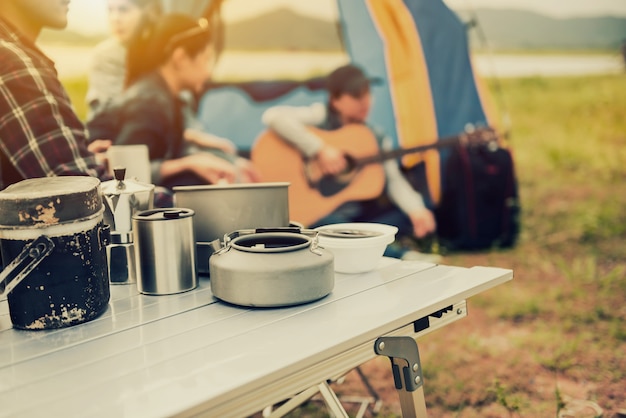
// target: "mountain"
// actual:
[[283, 29], [504, 29], [520, 29]]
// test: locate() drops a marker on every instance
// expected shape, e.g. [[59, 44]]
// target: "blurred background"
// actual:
[[510, 38]]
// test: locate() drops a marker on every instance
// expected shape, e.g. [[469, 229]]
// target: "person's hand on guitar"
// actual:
[[423, 221], [331, 161]]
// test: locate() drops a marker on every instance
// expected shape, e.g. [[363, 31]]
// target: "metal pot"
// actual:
[[122, 199], [53, 243], [271, 268], [221, 209]]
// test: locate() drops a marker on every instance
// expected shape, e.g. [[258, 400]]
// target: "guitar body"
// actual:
[[312, 196]]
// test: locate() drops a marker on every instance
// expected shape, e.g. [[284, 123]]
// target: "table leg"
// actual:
[[332, 401], [329, 396], [291, 404], [407, 373], [413, 403]]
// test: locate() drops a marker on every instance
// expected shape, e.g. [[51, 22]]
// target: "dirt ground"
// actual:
[[476, 376]]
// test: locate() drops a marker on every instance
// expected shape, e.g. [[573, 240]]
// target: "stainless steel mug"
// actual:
[[165, 251]]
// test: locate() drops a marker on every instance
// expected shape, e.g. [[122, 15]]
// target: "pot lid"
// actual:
[[50, 200]]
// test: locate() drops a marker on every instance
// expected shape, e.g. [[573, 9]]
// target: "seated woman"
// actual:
[[107, 70], [175, 55]]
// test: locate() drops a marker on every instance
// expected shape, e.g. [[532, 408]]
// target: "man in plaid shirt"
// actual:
[[40, 134]]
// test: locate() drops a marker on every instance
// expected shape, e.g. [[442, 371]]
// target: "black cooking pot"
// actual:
[[53, 245]]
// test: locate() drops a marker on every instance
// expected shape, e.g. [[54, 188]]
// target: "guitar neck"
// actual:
[[397, 153]]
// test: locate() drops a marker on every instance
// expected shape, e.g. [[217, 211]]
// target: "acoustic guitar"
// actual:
[[313, 195]]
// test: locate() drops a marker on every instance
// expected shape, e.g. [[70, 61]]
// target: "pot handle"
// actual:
[[104, 234], [289, 229], [292, 229], [31, 255]]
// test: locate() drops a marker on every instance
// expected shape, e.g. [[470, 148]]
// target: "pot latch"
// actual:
[[31, 255]]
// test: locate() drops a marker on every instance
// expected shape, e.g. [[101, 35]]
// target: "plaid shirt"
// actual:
[[40, 134]]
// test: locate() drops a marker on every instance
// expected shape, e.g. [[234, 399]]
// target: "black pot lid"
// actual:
[[50, 201]]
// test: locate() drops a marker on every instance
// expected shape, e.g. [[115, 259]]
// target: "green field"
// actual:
[[557, 332]]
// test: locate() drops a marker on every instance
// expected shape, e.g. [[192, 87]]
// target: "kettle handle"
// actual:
[[220, 247], [31, 255]]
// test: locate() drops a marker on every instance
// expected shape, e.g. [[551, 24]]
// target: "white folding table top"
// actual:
[[184, 354]]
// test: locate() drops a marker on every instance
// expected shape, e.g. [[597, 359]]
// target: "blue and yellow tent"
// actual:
[[419, 48]]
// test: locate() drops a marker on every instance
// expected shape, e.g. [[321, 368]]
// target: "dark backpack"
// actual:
[[479, 207]]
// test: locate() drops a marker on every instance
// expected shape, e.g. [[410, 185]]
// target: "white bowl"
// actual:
[[357, 255]]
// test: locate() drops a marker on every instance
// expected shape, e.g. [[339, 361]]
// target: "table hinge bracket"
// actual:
[[404, 348]]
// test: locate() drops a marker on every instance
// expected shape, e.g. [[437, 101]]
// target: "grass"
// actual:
[[558, 330]]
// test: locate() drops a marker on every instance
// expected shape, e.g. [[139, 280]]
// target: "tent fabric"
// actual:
[[419, 48], [409, 85], [232, 110]]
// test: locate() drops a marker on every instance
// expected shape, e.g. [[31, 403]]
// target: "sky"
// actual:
[[89, 16]]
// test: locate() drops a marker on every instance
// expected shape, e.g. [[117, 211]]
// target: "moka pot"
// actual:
[[122, 199]]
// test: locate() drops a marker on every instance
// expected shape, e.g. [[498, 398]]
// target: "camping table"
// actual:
[[189, 354]]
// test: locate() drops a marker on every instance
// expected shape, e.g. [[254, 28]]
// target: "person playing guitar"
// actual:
[[349, 103]]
